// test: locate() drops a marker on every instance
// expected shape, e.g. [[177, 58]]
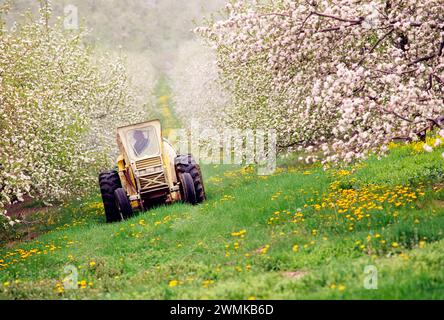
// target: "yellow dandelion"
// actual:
[[173, 283], [207, 283], [82, 284], [264, 250]]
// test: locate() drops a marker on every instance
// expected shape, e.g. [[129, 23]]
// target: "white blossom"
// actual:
[[59, 108], [350, 75], [427, 148]]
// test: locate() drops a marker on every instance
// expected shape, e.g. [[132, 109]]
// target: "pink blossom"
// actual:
[[359, 74]]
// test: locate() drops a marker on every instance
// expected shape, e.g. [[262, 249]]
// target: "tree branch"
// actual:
[[376, 45], [337, 18], [426, 58], [338, 27], [431, 56]]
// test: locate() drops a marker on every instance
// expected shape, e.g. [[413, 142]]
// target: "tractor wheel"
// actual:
[[109, 182], [187, 188], [123, 204], [186, 164]]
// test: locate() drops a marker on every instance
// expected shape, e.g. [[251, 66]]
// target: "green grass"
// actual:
[[185, 252], [164, 110]]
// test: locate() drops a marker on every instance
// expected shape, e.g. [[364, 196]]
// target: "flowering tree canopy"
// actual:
[[340, 78], [58, 107]]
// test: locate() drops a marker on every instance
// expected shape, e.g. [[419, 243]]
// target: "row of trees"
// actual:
[[338, 79], [59, 106]]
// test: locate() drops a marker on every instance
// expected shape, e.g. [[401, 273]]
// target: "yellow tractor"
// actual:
[[150, 172]]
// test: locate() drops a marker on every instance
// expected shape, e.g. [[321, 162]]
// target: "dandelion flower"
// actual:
[[173, 283], [264, 250], [207, 283]]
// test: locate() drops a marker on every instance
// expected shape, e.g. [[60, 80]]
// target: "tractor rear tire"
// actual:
[[123, 204], [186, 164], [187, 188], [109, 182]]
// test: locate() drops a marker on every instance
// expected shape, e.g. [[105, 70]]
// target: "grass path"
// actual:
[[164, 109]]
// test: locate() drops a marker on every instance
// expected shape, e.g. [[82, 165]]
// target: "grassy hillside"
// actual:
[[302, 233]]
